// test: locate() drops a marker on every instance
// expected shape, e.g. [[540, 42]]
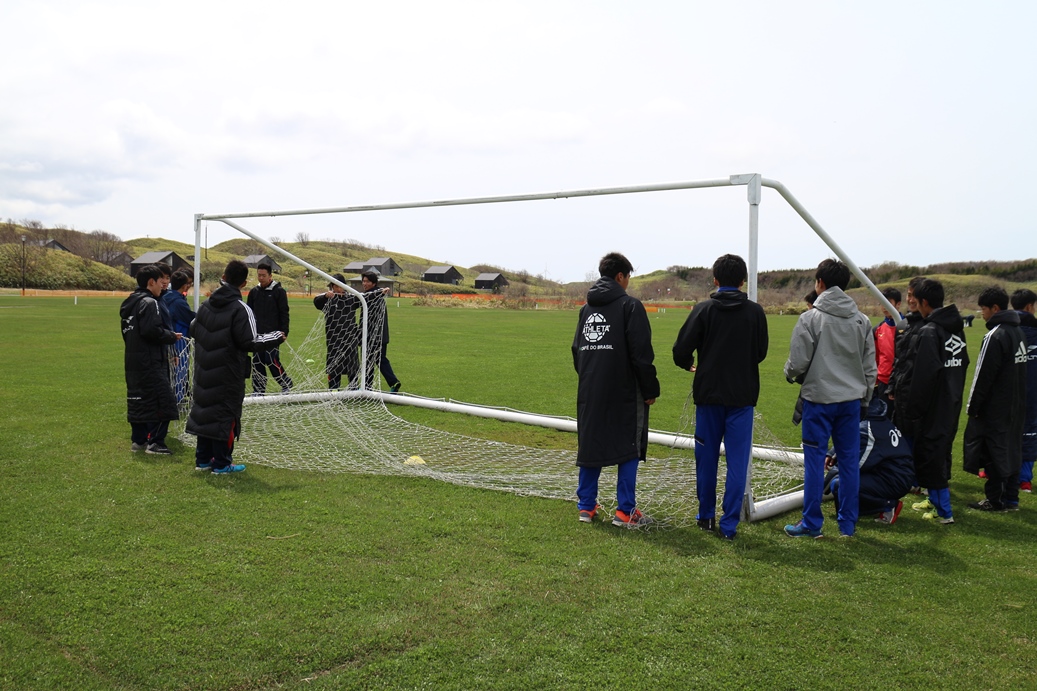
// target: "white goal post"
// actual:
[[754, 182]]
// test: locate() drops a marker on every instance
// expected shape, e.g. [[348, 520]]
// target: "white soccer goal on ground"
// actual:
[[352, 430]]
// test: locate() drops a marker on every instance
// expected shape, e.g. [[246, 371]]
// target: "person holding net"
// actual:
[[341, 334]]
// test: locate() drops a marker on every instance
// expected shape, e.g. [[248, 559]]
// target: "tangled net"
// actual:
[[357, 433]]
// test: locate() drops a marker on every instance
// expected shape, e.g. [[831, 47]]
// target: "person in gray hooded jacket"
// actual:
[[832, 352]]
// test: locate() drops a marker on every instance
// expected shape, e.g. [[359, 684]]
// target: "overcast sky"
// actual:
[[905, 128]]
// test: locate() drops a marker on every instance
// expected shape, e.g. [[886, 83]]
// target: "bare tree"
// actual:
[[302, 238], [104, 247]]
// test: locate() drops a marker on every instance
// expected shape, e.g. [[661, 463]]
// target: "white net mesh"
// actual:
[[352, 432]]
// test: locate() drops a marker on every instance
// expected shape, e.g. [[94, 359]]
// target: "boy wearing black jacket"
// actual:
[[1024, 301], [929, 395], [613, 356], [730, 335], [994, 432], [269, 303]]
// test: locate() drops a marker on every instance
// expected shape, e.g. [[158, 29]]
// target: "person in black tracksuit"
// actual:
[[729, 333], [613, 357], [377, 332], [149, 395], [269, 303], [224, 333], [996, 408], [929, 392], [1024, 301], [341, 334], [887, 470]]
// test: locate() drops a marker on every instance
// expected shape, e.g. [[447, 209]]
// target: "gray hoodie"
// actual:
[[833, 351]]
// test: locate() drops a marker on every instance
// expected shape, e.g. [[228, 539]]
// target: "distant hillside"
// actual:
[[102, 249], [783, 290], [87, 266]]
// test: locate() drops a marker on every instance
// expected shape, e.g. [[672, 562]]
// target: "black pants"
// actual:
[[149, 432], [1001, 489], [218, 452], [271, 359]]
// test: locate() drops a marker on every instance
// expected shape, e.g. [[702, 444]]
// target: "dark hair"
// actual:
[[730, 271], [337, 277], [810, 297], [371, 276], [236, 273], [930, 290], [265, 266], [891, 294], [613, 264], [166, 269], [1023, 297], [833, 273], [994, 295], [180, 279], [914, 283], [147, 273]]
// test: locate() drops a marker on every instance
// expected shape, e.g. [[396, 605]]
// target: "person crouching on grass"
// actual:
[[224, 334]]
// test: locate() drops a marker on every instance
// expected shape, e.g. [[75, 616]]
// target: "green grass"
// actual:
[[122, 571]]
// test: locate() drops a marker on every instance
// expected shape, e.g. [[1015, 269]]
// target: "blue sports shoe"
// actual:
[[227, 470], [800, 530]]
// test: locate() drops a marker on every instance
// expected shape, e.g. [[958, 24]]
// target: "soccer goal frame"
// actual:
[[754, 184]]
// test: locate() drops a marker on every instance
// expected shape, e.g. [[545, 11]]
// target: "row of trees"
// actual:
[[99, 245]]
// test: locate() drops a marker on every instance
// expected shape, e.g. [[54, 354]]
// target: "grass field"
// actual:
[[123, 571]]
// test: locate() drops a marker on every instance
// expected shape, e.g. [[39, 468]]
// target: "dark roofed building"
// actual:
[[490, 281], [55, 245], [169, 257], [385, 266], [442, 274], [353, 268], [253, 261]]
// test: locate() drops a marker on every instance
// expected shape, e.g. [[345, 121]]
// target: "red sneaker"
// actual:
[[587, 515], [1025, 487], [890, 517], [634, 519]]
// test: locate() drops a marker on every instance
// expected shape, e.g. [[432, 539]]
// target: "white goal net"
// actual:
[[349, 428]]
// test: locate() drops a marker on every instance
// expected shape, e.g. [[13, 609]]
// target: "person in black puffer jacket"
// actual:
[[997, 401], [1024, 301], [929, 400], [224, 333], [149, 395]]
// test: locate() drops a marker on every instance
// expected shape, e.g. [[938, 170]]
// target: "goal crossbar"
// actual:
[[754, 182]]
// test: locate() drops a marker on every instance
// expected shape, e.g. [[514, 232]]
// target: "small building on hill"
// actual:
[[442, 274], [253, 261], [120, 260], [353, 268], [55, 245], [385, 266], [490, 281], [169, 257]]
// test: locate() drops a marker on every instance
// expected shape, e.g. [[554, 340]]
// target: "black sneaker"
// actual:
[[709, 524], [160, 449], [987, 505], [395, 388], [135, 447]]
